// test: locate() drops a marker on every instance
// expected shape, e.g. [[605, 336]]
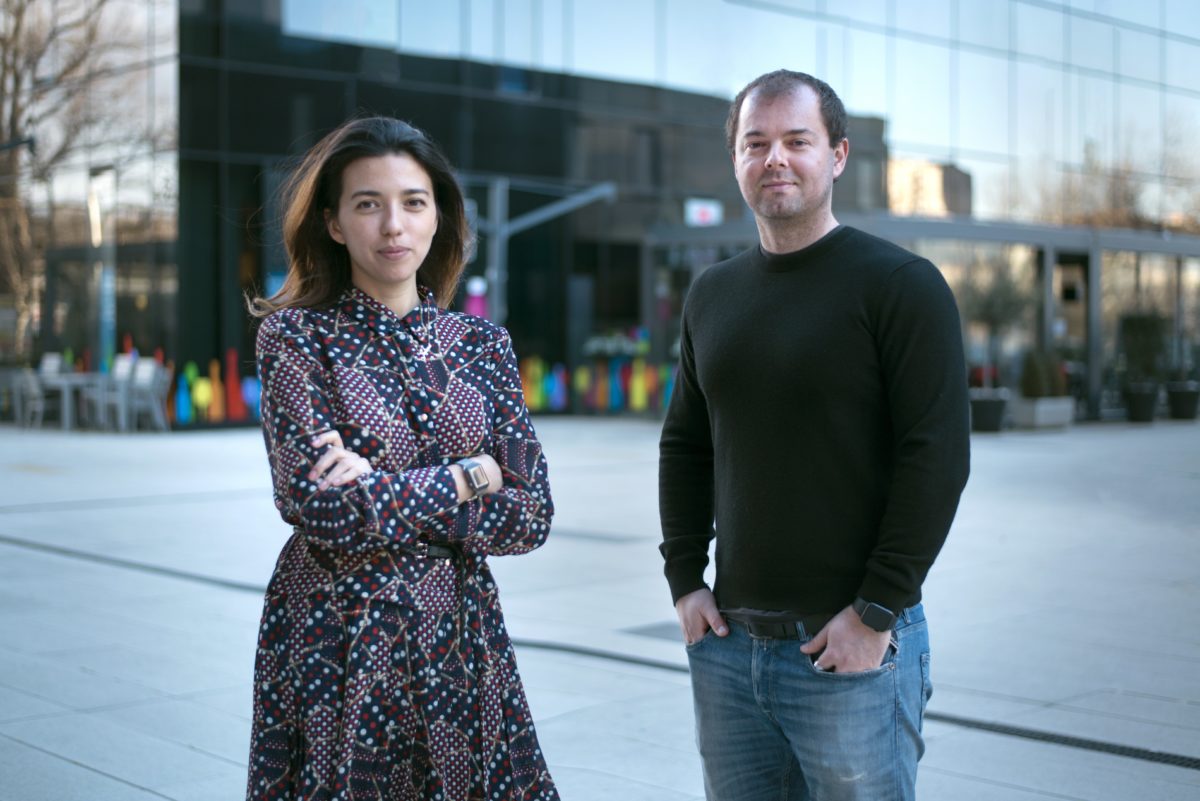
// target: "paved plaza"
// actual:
[[1066, 650]]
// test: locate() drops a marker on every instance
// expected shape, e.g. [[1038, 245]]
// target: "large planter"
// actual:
[[1054, 412], [987, 409], [1140, 401], [1183, 399]]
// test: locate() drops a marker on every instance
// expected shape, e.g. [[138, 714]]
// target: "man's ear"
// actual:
[[840, 154], [335, 230]]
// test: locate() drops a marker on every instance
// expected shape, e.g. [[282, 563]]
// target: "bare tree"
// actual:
[[48, 52]]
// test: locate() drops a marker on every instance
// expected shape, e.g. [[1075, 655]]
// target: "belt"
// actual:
[[784, 629], [435, 551]]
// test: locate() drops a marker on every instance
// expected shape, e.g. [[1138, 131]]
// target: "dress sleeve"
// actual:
[[685, 476], [919, 338], [516, 519], [380, 508]]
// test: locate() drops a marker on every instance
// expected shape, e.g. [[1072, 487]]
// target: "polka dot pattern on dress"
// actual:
[[384, 674]]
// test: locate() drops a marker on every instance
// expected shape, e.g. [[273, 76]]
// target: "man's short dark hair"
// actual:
[[780, 82]]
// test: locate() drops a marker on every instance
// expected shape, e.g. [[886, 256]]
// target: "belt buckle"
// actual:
[[435, 551]]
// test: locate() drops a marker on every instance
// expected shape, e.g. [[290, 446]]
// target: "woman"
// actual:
[[403, 456]]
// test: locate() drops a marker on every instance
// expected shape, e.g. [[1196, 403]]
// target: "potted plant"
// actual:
[[1183, 395], [1141, 335], [989, 296], [1044, 401]]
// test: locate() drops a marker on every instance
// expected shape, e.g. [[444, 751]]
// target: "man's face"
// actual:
[[783, 159]]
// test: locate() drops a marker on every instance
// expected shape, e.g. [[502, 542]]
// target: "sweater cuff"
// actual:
[[685, 576], [878, 591]]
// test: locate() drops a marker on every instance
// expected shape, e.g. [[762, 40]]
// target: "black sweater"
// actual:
[[820, 417]]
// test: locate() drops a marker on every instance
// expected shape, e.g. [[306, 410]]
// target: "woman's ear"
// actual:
[[335, 230]]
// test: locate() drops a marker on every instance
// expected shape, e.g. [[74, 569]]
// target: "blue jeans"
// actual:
[[771, 727]]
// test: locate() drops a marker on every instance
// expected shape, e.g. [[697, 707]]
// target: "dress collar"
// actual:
[[368, 311]]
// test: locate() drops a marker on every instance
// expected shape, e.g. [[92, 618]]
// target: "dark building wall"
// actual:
[[252, 97]]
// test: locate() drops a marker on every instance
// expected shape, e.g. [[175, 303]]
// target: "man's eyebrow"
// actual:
[[792, 132]]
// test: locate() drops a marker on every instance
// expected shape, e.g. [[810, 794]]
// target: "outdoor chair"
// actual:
[[107, 401], [52, 362], [148, 393], [31, 401]]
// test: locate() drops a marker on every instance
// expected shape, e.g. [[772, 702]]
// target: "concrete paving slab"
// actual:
[[189, 724], [1048, 768], [31, 774], [115, 750]]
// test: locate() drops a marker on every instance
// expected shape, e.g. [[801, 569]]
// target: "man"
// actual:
[[820, 417]]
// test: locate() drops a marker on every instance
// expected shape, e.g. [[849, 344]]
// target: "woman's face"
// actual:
[[386, 217]]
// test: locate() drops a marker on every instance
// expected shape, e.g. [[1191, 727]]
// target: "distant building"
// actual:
[[973, 140]]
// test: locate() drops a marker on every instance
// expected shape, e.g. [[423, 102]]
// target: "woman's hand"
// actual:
[[337, 466]]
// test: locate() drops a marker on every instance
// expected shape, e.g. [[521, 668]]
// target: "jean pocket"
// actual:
[[889, 663], [708, 635]]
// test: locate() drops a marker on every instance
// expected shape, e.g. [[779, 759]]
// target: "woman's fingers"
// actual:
[[347, 470], [327, 460], [327, 438], [334, 441]]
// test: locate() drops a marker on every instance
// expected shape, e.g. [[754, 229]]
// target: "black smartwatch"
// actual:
[[477, 477], [874, 616]]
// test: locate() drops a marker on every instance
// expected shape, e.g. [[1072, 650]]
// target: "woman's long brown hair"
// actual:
[[318, 267]]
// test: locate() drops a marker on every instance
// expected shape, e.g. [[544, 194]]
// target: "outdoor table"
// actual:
[[67, 384]]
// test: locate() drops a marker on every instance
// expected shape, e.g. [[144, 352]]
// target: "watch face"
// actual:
[[878, 618], [477, 477]]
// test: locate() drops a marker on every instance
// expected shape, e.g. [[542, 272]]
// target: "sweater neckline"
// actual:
[[788, 262]]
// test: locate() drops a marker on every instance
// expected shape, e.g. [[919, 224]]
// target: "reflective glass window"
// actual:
[[689, 56], [1091, 44], [362, 22], [481, 29], [1089, 121], [1139, 12], [164, 208], [1039, 32], [164, 36], [983, 22], [520, 37], [1139, 55], [929, 17], [124, 27], [1181, 159], [597, 26], [983, 103], [872, 11], [1039, 111], [921, 113], [1139, 127], [552, 48], [865, 58], [164, 105], [1183, 64], [751, 41], [431, 29], [121, 103], [1180, 16], [991, 195], [770, 41], [135, 194]]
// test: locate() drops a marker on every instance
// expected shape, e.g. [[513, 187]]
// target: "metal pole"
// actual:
[[1095, 349], [497, 249]]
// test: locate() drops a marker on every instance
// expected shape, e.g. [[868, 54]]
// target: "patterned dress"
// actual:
[[384, 671]]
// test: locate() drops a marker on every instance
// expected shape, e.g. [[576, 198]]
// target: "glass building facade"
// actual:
[[1046, 141]]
